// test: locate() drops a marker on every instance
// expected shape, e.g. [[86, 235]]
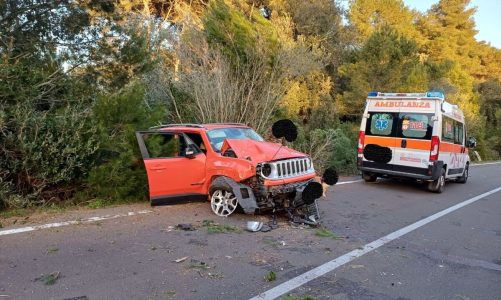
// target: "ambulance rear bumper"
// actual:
[[430, 173]]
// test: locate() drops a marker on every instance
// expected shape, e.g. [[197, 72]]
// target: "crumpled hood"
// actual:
[[260, 151]]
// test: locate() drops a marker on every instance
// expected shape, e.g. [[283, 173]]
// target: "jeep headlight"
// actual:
[[266, 170]]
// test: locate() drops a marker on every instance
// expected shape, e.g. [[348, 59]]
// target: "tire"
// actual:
[[463, 178], [222, 200], [369, 177], [437, 186]]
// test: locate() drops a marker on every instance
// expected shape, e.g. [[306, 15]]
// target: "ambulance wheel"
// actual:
[[369, 177], [437, 186], [463, 177]]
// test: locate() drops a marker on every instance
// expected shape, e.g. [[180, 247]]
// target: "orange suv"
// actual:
[[231, 165]]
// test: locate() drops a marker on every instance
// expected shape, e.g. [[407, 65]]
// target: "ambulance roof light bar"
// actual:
[[431, 94]]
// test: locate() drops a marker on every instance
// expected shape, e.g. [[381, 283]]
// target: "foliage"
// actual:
[[324, 232], [270, 276], [386, 62], [120, 174], [77, 78], [213, 227]]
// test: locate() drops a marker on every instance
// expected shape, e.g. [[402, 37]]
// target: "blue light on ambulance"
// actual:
[[372, 94], [435, 95]]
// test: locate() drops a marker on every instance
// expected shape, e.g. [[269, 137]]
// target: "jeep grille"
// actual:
[[289, 168]]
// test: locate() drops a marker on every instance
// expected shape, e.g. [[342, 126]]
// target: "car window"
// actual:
[[447, 129], [162, 145], [381, 124], [458, 133], [197, 139], [414, 125], [217, 136]]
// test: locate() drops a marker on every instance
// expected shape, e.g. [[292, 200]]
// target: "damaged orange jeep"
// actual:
[[233, 166]]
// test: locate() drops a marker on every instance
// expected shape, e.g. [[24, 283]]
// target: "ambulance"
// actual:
[[413, 135]]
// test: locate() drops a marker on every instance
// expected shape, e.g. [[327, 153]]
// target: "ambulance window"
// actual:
[[458, 133], [414, 125], [381, 124], [448, 129]]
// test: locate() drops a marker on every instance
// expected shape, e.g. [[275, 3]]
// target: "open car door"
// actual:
[[175, 167]]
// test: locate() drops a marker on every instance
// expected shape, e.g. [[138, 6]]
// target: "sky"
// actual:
[[487, 18]]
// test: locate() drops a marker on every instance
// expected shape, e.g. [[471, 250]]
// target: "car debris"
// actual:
[[232, 166], [254, 226], [186, 227], [181, 259]]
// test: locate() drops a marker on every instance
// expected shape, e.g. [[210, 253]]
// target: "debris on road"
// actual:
[[186, 227], [181, 259], [197, 264], [357, 266], [254, 226]]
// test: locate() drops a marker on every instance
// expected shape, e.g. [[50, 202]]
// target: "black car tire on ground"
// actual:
[[437, 186]]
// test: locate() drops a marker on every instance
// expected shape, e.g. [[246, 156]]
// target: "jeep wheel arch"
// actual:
[[244, 194]]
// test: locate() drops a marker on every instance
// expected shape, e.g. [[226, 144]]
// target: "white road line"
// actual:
[[485, 164], [346, 182], [74, 222], [346, 258]]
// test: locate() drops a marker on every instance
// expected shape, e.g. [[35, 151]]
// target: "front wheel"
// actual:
[[437, 186], [463, 177], [223, 202]]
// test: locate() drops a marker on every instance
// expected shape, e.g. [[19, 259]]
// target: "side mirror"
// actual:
[[471, 143], [190, 152]]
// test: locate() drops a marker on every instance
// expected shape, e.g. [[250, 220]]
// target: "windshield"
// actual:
[[217, 136]]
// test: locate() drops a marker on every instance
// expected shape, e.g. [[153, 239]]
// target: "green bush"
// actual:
[[344, 152], [45, 154], [119, 174]]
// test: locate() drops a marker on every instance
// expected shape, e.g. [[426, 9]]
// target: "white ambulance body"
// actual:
[[413, 135]]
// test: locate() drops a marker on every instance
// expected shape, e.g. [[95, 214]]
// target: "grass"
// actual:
[[97, 203], [52, 249], [48, 279], [270, 276], [57, 207], [198, 265], [213, 227], [324, 232]]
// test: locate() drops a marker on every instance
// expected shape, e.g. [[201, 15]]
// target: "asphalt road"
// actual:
[[457, 256]]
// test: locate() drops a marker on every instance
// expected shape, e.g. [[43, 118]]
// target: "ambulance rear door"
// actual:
[[416, 120], [380, 135]]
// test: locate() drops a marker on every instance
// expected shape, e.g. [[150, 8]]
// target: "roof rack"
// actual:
[[177, 125], [224, 123]]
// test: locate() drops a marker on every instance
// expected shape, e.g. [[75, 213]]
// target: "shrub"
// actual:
[[119, 174], [44, 154]]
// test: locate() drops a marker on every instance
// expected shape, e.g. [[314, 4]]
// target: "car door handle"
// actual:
[[403, 144], [159, 168]]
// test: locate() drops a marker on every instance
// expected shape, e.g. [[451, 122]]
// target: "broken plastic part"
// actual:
[[247, 200]]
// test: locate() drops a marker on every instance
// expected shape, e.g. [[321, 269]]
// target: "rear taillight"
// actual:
[[361, 138], [435, 148]]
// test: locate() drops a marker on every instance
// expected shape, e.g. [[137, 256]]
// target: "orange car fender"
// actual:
[[234, 168]]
